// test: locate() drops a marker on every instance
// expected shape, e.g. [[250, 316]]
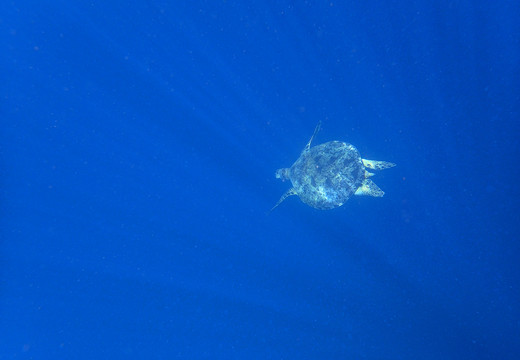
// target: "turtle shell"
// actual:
[[327, 175]]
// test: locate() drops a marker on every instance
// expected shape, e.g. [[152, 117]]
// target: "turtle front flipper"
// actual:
[[377, 165], [369, 188], [308, 146], [289, 192]]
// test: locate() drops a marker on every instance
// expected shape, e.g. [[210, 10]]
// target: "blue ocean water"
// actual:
[[139, 142]]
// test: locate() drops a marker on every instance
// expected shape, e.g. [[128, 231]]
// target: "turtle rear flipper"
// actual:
[[289, 192], [369, 188], [377, 165]]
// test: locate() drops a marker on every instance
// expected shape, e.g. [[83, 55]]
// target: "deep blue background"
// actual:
[[138, 150]]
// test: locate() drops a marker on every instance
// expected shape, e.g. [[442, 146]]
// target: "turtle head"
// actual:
[[282, 174]]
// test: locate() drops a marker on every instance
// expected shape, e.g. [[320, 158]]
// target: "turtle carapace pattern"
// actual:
[[327, 175]]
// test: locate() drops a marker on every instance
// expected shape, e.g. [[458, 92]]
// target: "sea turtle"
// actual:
[[327, 175]]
